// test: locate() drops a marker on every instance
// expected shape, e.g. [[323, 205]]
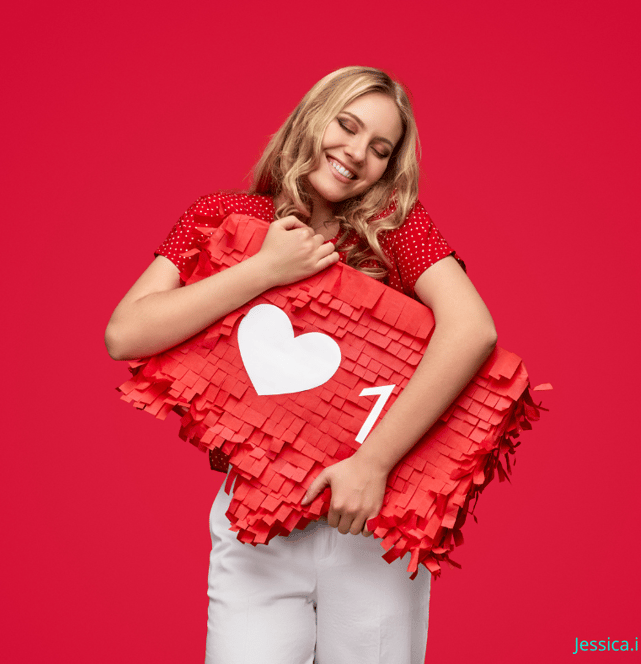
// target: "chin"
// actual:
[[328, 193], [336, 198]]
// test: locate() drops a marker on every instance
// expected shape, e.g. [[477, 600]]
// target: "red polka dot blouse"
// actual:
[[411, 249]]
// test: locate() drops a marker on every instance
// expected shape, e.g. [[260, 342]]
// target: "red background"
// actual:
[[118, 117]]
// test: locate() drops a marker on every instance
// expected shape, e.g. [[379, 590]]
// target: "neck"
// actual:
[[322, 213], [322, 217]]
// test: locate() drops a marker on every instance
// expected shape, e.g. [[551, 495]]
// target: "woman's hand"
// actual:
[[357, 489], [291, 251]]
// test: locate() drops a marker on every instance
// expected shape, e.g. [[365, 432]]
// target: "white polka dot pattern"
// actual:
[[412, 248], [183, 234]]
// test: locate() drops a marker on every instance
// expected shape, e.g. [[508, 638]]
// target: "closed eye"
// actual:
[[345, 127]]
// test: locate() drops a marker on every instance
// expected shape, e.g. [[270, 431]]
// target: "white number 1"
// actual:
[[384, 394]]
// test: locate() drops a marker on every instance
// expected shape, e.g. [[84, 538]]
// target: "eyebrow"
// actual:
[[362, 125]]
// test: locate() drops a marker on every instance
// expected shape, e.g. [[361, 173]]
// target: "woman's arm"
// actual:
[[463, 338], [157, 314]]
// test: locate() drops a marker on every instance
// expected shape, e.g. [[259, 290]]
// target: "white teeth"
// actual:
[[341, 169]]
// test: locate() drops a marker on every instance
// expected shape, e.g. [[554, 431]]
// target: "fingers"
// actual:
[[324, 248], [305, 234], [333, 518], [291, 222], [317, 239], [366, 531], [292, 251], [345, 524], [328, 260], [348, 524], [315, 488], [316, 254], [357, 526]]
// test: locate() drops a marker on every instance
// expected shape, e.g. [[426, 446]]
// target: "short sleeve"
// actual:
[[183, 235], [414, 247], [208, 210]]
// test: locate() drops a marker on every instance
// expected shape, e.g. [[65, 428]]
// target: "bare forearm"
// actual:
[[157, 314], [163, 319], [452, 358]]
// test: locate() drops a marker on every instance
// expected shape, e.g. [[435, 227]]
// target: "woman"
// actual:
[[340, 178]]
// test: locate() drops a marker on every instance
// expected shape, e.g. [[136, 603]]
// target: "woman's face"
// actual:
[[356, 147]]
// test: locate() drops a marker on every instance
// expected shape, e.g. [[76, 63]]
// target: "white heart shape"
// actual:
[[279, 363]]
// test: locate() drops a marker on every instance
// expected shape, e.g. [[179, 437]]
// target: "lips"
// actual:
[[341, 169]]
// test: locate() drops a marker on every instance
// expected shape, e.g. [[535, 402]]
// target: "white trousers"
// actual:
[[314, 596]]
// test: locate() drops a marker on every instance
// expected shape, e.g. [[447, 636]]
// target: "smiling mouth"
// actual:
[[339, 168]]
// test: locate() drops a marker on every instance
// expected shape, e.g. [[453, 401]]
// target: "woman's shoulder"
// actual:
[[417, 215], [413, 247], [417, 220], [419, 234], [226, 202]]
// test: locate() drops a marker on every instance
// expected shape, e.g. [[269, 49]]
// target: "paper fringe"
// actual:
[[277, 445]]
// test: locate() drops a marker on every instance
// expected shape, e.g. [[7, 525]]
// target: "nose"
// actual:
[[356, 149]]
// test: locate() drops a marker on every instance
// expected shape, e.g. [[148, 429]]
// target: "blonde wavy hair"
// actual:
[[295, 150]]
